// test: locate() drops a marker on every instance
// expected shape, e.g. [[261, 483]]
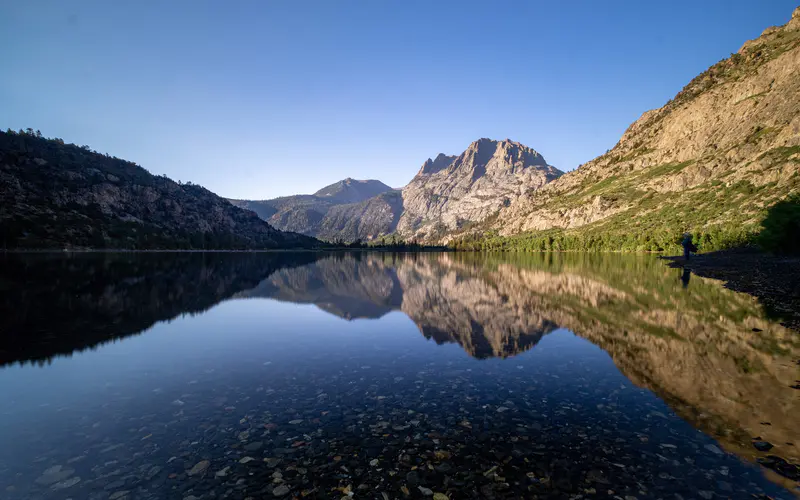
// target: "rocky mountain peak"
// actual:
[[794, 23], [450, 192], [506, 153], [441, 162]]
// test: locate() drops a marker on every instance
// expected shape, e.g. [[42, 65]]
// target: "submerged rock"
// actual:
[[199, 468]]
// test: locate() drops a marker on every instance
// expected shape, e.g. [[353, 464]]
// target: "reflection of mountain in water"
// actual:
[[56, 304], [446, 305], [709, 352]]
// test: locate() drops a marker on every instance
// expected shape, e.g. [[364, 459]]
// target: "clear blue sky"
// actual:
[[265, 98]]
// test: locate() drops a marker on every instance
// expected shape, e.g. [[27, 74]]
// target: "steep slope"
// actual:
[[304, 213], [367, 220], [56, 195], [710, 161], [450, 192]]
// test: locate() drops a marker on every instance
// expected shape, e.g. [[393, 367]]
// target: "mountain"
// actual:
[[711, 161], [352, 190], [450, 192], [56, 195], [305, 213], [367, 220]]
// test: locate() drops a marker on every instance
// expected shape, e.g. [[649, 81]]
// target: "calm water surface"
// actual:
[[199, 376]]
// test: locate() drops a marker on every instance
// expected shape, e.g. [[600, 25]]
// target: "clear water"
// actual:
[[139, 376]]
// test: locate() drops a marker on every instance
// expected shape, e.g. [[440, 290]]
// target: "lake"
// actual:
[[388, 376]]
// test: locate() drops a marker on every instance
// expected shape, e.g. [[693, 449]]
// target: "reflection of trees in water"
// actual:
[[710, 353], [56, 304]]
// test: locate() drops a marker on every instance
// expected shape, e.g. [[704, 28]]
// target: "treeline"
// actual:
[[717, 238], [392, 243]]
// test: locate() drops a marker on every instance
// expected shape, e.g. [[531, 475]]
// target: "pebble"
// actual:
[[62, 485], [199, 468], [280, 490], [54, 474], [255, 446]]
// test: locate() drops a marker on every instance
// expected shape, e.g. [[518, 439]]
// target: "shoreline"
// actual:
[[774, 280]]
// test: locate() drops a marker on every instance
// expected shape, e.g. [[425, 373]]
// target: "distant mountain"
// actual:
[[711, 161], [366, 220], [305, 213], [448, 193], [352, 190], [56, 195]]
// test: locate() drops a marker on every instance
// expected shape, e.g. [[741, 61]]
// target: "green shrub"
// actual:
[[781, 227]]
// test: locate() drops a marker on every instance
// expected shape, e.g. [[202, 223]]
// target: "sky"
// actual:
[[266, 98]]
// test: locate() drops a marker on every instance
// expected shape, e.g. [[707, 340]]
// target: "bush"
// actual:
[[781, 227]]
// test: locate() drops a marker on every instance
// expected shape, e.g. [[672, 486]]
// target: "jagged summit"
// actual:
[[450, 192], [439, 163]]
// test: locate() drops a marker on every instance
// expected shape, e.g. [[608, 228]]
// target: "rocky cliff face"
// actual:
[[306, 213], [450, 192], [56, 195], [726, 147]]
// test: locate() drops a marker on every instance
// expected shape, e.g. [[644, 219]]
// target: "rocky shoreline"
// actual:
[[773, 279]]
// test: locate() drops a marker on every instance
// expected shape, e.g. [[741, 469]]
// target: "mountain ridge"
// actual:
[[57, 195]]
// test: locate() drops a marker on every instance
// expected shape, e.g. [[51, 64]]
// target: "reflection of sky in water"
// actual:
[[559, 417]]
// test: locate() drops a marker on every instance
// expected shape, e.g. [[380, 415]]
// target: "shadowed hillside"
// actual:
[[56, 195]]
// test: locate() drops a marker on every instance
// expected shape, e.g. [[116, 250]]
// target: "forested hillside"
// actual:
[[57, 195]]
